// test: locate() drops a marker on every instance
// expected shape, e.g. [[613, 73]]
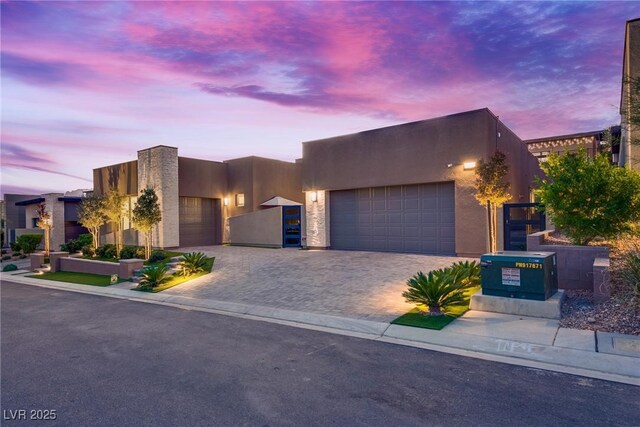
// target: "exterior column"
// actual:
[[317, 219], [158, 169]]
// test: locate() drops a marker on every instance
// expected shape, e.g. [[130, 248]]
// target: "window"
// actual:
[[240, 200]]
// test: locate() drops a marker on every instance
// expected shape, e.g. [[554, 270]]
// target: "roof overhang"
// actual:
[[30, 201]]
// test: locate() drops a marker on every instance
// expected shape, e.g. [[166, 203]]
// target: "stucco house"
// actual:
[[405, 188], [630, 139], [21, 217]]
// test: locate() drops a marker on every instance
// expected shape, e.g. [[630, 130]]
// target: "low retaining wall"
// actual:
[[61, 261], [575, 263]]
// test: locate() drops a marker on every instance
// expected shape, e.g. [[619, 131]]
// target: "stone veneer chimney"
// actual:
[[158, 169]]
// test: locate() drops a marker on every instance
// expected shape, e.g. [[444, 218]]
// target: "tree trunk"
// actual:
[[494, 228], [147, 244], [435, 311], [490, 226], [95, 233], [47, 245]]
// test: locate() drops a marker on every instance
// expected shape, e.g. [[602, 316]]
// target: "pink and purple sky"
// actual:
[[87, 84]]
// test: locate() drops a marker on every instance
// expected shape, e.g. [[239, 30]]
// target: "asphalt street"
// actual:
[[100, 361]]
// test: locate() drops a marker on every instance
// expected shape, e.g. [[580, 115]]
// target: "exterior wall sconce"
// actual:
[[225, 201], [240, 200], [466, 165], [469, 165], [313, 196]]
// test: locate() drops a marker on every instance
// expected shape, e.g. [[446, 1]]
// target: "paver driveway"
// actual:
[[363, 285]]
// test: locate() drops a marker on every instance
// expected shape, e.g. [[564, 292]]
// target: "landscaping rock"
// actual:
[[177, 258], [579, 311]]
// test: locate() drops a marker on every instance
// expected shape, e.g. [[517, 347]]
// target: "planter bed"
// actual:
[[78, 278]]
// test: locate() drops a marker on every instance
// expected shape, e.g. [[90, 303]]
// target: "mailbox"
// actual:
[[515, 274]]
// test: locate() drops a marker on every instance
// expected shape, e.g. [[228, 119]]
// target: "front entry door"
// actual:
[[291, 230]]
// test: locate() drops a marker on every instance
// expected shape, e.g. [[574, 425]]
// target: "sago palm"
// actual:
[[193, 263], [469, 273], [153, 277], [437, 290]]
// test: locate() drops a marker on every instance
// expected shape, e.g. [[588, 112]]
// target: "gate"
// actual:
[[291, 228], [521, 219]]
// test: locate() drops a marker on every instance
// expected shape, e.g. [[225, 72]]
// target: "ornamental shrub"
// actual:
[[153, 277], [10, 267], [193, 262], [157, 256], [129, 252], [437, 290], [29, 242], [106, 251], [589, 197], [76, 245]]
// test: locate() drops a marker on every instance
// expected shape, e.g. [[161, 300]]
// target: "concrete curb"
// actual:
[[610, 367]]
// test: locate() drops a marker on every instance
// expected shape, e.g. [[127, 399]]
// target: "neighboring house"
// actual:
[[404, 188], [14, 215], [197, 197], [592, 142], [62, 206], [630, 139]]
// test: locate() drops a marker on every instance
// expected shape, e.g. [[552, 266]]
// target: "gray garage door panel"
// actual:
[[197, 221], [408, 218]]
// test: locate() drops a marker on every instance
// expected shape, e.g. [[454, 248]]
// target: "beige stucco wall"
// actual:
[[259, 228], [158, 169], [416, 153]]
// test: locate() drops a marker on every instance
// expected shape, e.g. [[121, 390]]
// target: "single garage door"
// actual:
[[405, 218], [197, 221]]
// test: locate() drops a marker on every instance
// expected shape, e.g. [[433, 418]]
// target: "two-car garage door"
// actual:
[[405, 218]]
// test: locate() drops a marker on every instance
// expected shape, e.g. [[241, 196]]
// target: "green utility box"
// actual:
[[515, 274]]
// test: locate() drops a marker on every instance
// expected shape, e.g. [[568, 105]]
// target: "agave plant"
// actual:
[[436, 290], [193, 262], [468, 273], [153, 277]]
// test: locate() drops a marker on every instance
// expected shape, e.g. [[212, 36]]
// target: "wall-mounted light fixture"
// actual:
[[466, 165], [225, 201], [313, 196], [240, 200], [469, 165]]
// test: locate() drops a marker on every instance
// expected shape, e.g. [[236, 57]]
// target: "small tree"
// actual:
[[492, 190], [146, 214], [588, 197], [91, 216], [113, 209], [45, 222]]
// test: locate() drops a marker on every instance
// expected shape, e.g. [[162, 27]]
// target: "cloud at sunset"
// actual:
[[101, 80]]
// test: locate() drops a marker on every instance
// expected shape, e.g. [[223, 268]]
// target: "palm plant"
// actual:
[[153, 277], [437, 290], [193, 262], [469, 273]]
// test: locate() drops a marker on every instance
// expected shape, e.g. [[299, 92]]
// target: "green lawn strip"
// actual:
[[178, 279], [417, 319], [79, 278]]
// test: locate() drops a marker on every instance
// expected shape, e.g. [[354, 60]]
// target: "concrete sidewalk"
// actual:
[[519, 340]]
